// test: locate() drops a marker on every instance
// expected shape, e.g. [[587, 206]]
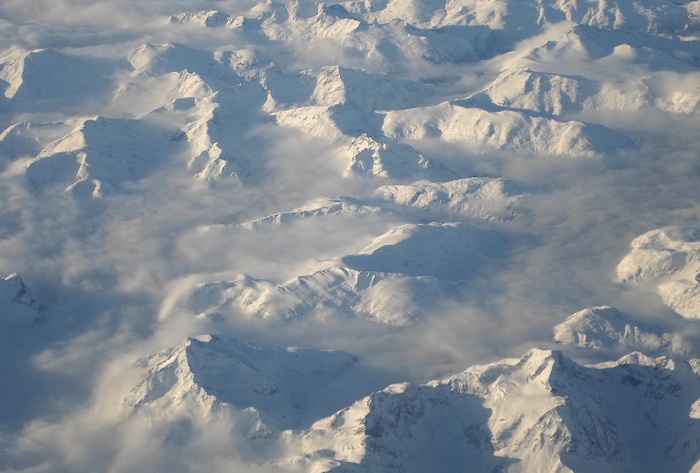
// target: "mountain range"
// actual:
[[350, 236]]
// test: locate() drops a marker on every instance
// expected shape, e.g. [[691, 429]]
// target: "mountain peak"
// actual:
[[670, 258], [18, 301], [606, 328], [276, 384]]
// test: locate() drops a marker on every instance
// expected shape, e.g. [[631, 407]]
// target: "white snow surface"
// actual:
[[480, 129], [324, 207], [480, 198], [670, 258], [379, 297], [606, 328], [397, 189], [540, 412], [272, 385]]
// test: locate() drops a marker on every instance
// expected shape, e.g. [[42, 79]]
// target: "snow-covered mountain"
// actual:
[[670, 258], [275, 387], [380, 297], [427, 184], [209, 19], [606, 328], [501, 129], [559, 94], [480, 198], [367, 157], [394, 280], [542, 412], [18, 301], [323, 207], [47, 78], [99, 155]]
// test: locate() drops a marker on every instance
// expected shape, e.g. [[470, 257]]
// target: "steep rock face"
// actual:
[[476, 197], [542, 412], [604, 328], [211, 378], [506, 130], [670, 258]]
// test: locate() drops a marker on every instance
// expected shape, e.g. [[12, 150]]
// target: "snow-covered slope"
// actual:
[[18, 301], [365, 156], [338, 85], [210, 377], [339, 291], [99, 155], [48, 78], [394, 280], [141, 95], [323, 207], [380, 46], [482, 199], [289, 171], [606, 328], [501, 129], [211, 18], [449, 251], [574, 51], [559, 94], [24, 140], [368, 157], [546, 93], [214, 155], [670, 258], [542, 412], [153, 60], [479, 198], [525, 17]]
